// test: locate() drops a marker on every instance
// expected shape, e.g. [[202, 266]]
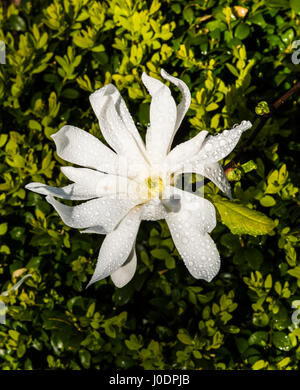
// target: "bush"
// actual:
[[232, 57]]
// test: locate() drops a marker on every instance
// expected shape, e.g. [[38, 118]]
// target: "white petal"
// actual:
[[189, 228], [184, 105], [72, 191], [79, 147], [82, 176], [101, 183], [213, 172], [116, 133], [216, 147], [216, 174], [153, 210], [163, 115], [197, 250], [95, 230], [184, 152], [117, 246], [124, 274], [121, 108], [192, 209], [106, 212]]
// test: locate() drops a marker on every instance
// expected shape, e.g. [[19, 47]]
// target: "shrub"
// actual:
[[232, 55]]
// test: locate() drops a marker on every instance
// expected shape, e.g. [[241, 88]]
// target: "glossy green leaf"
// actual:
[[242, 220]]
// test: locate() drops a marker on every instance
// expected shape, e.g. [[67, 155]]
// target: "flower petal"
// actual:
[[115, 132], [192, 209], [216, 174], [79, 147], [189, 228], [121, 108], [216, 147], [72, 191], [100, 183], [153, 210], [184, 105], [106, 212], [117, 246], [163, 114], [95, 230], [213, 172], [124, 274], [197, 250], [184, 152]]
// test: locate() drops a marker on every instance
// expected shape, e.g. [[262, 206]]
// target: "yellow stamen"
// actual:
[[155, 185]]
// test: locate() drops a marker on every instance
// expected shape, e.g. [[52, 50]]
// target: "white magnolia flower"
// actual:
[[135, 182]]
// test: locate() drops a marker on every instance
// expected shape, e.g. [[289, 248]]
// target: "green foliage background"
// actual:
[[57, 53]]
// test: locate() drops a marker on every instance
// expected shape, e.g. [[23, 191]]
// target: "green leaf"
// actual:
[[259, 365], [260, 319], [281, 341], [232, 70], [212, 106], [170, 262], [85, 358], [160, 253], [242, 220], [17, 23], [259, 338], [284, 362], [188, 15], [267, 201], [295, 5], [295, 272], [34, 125], [18, 233], [3, 228], [242, 31], [70, 93], [185, 338], [3, 139], [134, 343]]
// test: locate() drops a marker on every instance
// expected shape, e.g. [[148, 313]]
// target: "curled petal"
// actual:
[[79, 147], [216, 147], [116, 132], [121, 108], [72, 191], [124, 274], [213, 172], [184, 105], [106, 212], [216, 174], [163, 114], [117, 246]]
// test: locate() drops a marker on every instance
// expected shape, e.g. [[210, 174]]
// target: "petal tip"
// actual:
[[164, 73], [50, 199], [29, 186]]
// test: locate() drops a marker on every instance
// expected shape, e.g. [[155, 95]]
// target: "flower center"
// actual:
[[155, 185]]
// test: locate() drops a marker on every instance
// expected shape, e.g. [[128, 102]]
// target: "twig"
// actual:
[[274, 107]]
